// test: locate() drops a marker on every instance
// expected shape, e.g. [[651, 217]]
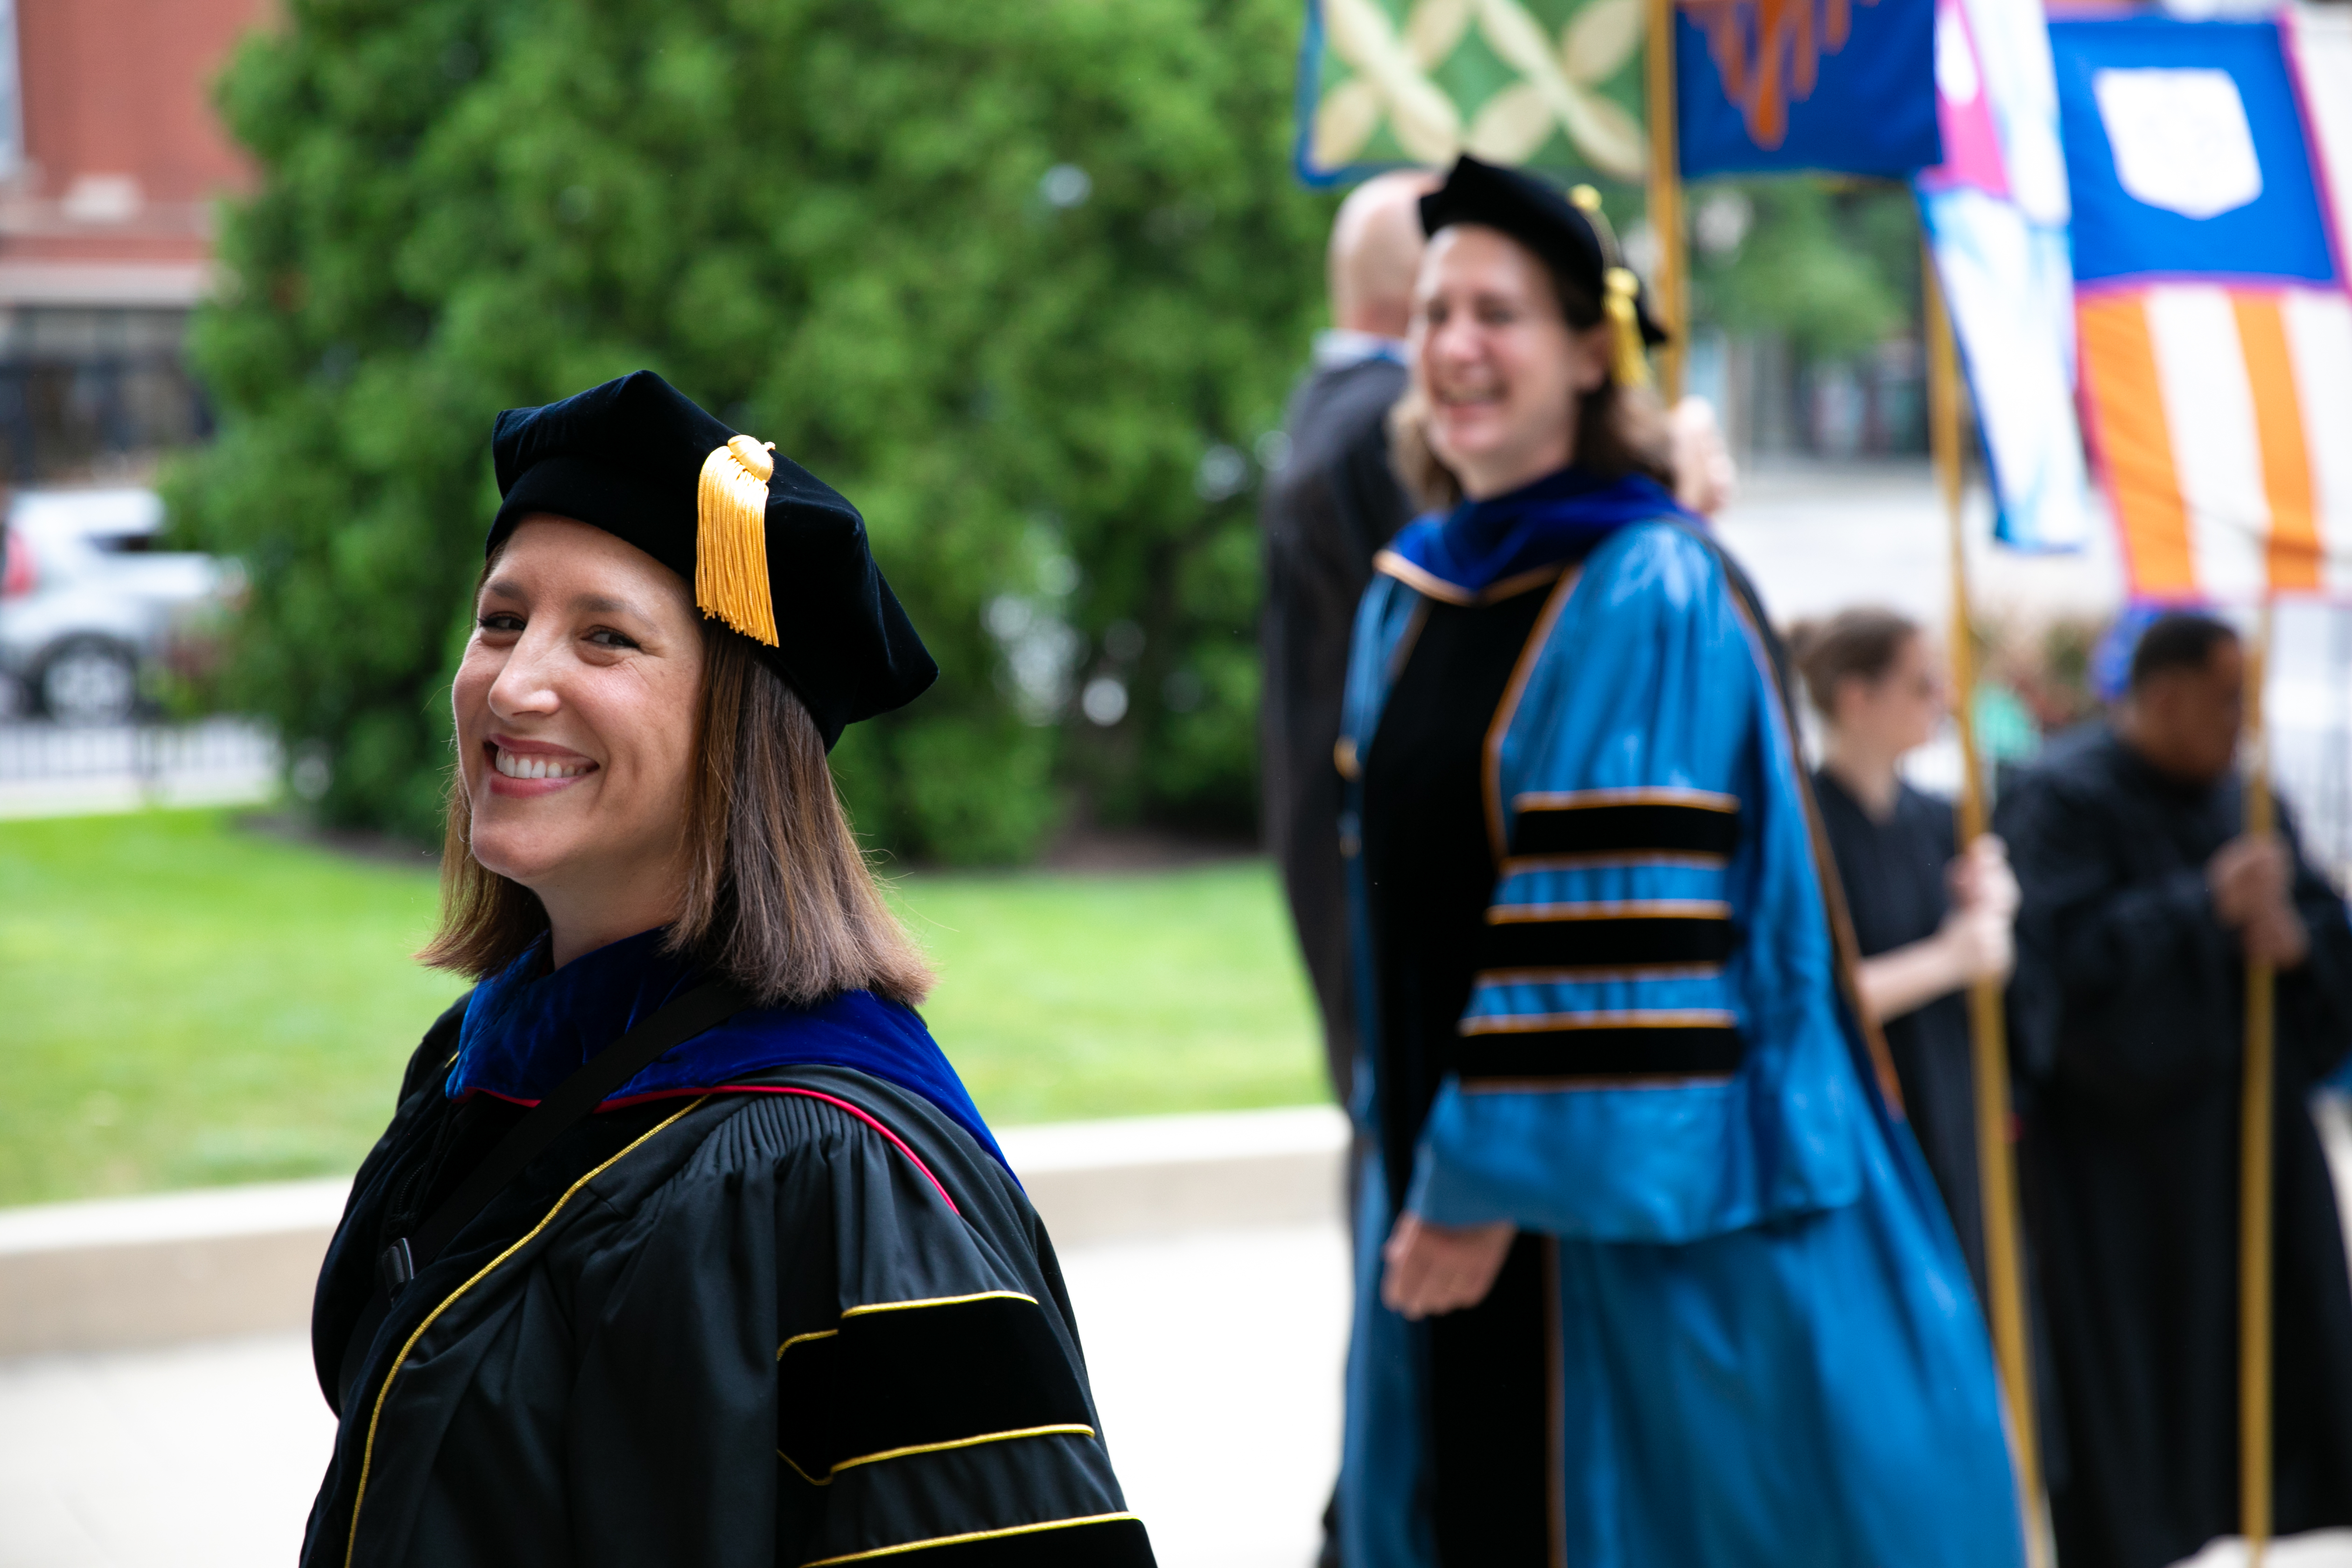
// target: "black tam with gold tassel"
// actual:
[[768, 548], [1568, 233]]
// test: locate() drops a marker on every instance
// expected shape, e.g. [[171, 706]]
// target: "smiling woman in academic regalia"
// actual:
[[685, 1245], [1651, 1273]]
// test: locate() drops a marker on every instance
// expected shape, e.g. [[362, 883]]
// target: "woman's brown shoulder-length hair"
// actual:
[[1619, 429], [778, 895]]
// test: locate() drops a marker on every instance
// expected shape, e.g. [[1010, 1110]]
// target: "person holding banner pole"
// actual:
[[2148, 909], [1929, 920]]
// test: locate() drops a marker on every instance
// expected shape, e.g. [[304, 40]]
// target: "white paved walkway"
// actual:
[[1215, 1359], [1215, 1362]]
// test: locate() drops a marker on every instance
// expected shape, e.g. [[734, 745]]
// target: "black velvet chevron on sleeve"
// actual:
[[1696, 1050], [1624, 827], [1576, 940], [910, 1376], [1114, 1542]]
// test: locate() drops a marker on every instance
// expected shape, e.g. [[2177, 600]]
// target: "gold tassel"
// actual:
[[1628, 357], [730, 538]]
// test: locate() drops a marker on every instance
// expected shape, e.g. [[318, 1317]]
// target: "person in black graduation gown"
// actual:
[[1927, 920], [778, 1301], [2143, 899]]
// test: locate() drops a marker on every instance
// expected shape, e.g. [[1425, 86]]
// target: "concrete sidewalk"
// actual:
[[120, 1273], [1203, 1254], [167, 1415], [1215, 1358]]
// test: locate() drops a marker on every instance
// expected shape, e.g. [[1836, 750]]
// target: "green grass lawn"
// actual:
[[184, 1003]]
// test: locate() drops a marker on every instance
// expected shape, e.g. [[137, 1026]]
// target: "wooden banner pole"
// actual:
[[1665, 192], [1996, 1161], [2254, 1370]]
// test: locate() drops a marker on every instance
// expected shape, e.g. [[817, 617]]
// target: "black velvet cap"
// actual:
[[1537, 214], [628, 456]]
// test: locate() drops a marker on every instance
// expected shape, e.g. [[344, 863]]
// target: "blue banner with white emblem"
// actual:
[[2185, 151]]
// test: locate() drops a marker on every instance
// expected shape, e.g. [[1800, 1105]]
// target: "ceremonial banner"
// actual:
[[2186, 152], [1996, 213], [2220, 416], [2216, 334], [2319, 42], [1550, 84], [1778, 86]]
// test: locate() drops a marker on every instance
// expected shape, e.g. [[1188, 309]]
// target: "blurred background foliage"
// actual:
[[1830, 265], [1028, 283]]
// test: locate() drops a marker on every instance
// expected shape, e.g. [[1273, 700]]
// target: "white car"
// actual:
[[85, 600]]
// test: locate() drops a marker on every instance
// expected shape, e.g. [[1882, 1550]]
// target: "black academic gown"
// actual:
[[1893, 874], [1333, 505], [2127, 1020], [812, 1325]]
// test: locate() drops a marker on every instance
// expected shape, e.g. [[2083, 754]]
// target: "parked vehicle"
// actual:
[[88, 604]]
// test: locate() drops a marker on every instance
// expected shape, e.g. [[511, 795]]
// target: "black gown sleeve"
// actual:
[[2121, 979], [801, 1351], [1325, 516]]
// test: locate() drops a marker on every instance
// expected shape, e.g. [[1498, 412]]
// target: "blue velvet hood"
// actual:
[[527, 1029], [1461, 555]]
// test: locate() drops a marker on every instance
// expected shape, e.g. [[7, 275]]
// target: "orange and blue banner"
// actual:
[[1780, 86], [2220, 412], [2215, 328]]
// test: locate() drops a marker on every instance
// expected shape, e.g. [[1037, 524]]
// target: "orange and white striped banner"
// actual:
[[2224, 418]]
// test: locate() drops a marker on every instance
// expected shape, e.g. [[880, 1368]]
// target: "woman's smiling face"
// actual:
[[576, 708], [1500, 369]]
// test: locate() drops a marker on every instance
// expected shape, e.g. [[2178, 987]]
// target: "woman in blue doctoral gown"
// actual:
[[766, 1297], [1651, 1270]]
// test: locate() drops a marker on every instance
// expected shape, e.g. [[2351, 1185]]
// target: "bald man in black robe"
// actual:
[[1332, 504], [2143, 899]]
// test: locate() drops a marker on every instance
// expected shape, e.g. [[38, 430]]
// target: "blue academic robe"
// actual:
[[1768, 1351]]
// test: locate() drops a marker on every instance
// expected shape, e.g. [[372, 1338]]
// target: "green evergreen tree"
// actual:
[[1026, 282]]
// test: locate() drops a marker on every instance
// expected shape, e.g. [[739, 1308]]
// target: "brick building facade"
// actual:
[[110, 157]]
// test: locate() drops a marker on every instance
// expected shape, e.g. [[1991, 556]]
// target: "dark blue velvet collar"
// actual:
[[527, 1029], [1558, 518]]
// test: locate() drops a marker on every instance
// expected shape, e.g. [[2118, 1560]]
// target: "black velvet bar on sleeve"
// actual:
[[1625, 828]]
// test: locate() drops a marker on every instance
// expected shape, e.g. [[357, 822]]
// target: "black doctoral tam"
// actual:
[[769, 549], [1564, 228]]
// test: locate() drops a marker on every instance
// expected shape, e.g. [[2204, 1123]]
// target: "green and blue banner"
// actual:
[[1762, 87]]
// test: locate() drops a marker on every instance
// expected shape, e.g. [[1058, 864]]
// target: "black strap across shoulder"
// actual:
[[706, 1006]]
